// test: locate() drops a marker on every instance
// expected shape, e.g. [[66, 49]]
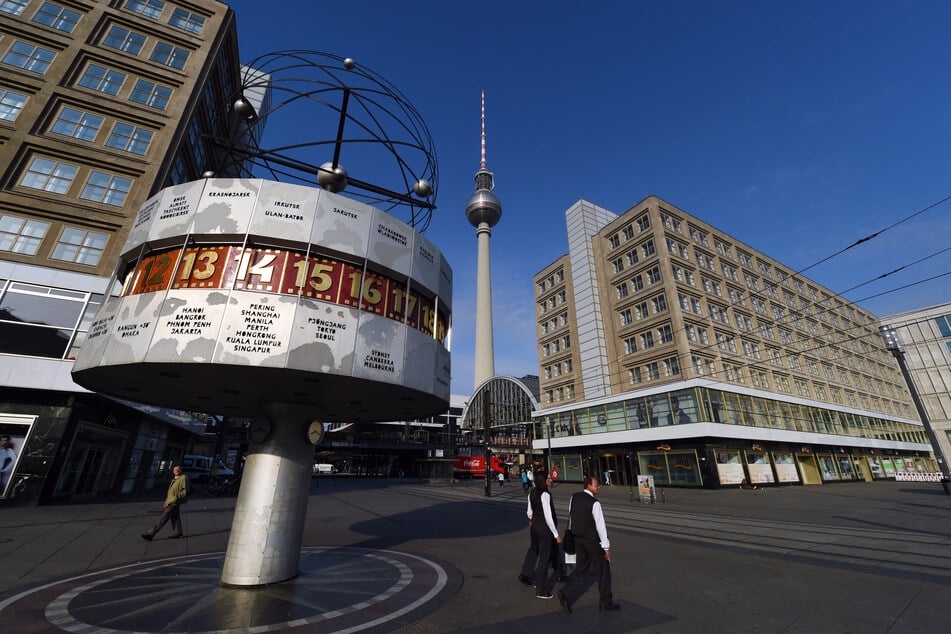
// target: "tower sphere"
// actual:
[[333, 179], [483, 206]]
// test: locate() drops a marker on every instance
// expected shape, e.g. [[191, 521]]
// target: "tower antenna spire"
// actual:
[[483, 128]]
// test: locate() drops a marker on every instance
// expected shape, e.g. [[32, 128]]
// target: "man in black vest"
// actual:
[[592, 547], [543, 551]]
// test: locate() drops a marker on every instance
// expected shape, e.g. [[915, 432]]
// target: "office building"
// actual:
[[926, 337], [101, 104], [668, 348]]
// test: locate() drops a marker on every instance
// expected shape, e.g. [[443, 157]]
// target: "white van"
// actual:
[[198, 468], [323, 468]]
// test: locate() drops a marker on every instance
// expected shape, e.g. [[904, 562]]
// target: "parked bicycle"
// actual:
[[223, 485]]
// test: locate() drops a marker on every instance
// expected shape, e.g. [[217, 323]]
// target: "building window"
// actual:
[[567, 366], [169, 55], [11, 104], [614, 241], [635, 375], [77, 124], [647, 248], [50, 176], [124, 40], [659, 304], [643, 223], [628, 232], [671, 366], [665, 334], [641, 310], [621, 290], [80, 246], [647, 340], [653, 275], [106, 188], [653, 370], [29, 57], [19, 235], [626, 316], [149, 8], [57, 17], [14, 7], [187, 20], [102, 79], [129, 138], [151, 94], [630, 345], [617, 265]]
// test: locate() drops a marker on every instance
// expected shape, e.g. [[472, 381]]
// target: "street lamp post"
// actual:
[[894, 345]]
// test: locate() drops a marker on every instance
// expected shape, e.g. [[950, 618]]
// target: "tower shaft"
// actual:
[[484, 346]]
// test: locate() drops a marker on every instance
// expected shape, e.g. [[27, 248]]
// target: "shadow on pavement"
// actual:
[[587, 619]]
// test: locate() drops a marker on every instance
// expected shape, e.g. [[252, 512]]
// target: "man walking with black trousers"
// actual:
[[176, 496], [592, 547], [543, 551]]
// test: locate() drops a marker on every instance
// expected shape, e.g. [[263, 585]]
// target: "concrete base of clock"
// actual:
[[268, 522]]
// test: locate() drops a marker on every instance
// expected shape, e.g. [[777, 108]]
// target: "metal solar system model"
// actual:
[[281, 299]]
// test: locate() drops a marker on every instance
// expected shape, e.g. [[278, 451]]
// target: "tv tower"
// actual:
[[483, 211]]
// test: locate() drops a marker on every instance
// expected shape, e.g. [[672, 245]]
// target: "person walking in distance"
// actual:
[[592, 547], [545, 539], [176, 496]]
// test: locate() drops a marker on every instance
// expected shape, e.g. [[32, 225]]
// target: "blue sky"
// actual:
[[795, 127]]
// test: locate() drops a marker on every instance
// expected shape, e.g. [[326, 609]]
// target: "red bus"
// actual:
[[474, 466]]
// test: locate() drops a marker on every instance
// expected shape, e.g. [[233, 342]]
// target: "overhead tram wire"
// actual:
[[767, 282]]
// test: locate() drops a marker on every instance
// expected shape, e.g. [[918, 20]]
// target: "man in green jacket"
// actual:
[[176, 496]]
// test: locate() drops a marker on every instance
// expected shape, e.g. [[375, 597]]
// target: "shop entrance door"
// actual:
[[809, 469], [861, 468]]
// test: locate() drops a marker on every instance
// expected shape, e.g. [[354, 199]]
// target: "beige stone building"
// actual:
[[668, 347], [102, 103]]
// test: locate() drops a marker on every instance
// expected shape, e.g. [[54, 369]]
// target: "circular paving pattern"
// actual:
[[338, 589]]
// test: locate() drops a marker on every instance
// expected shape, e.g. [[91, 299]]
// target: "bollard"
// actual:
[[663, 497]]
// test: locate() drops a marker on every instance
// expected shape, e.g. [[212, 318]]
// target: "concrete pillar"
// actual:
[[268, 523]]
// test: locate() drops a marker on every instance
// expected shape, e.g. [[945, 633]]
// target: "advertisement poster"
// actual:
[[645, 488], [14, 431]]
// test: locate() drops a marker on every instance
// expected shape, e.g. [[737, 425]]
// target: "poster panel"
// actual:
[[730, 473], [645, 488], [323, 338], [187, 327], [132, 331], [391, 243], [426, 264], [224, 208], [785, 466], [421, 370], [284, 213], [173, 216], [379, 349], [14, 431], [342, 225], [255, 329], [98, 335], [757, 463]]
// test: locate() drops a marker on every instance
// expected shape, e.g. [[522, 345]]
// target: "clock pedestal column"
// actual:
[[268, 523]]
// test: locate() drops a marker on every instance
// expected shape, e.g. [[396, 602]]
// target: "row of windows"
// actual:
[[556, 369], [24, 236], [556, 346], [95, 77], [765, 270], [180, 18], [553, 301], [555, 279], [758, 378], [642, 310], [646, 340], [654, 370], [629, 231], [86, 126], [42, 321], [57, 177], [58, 17], [550, 325], [556, 395], [718, 406], [131, 42]]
